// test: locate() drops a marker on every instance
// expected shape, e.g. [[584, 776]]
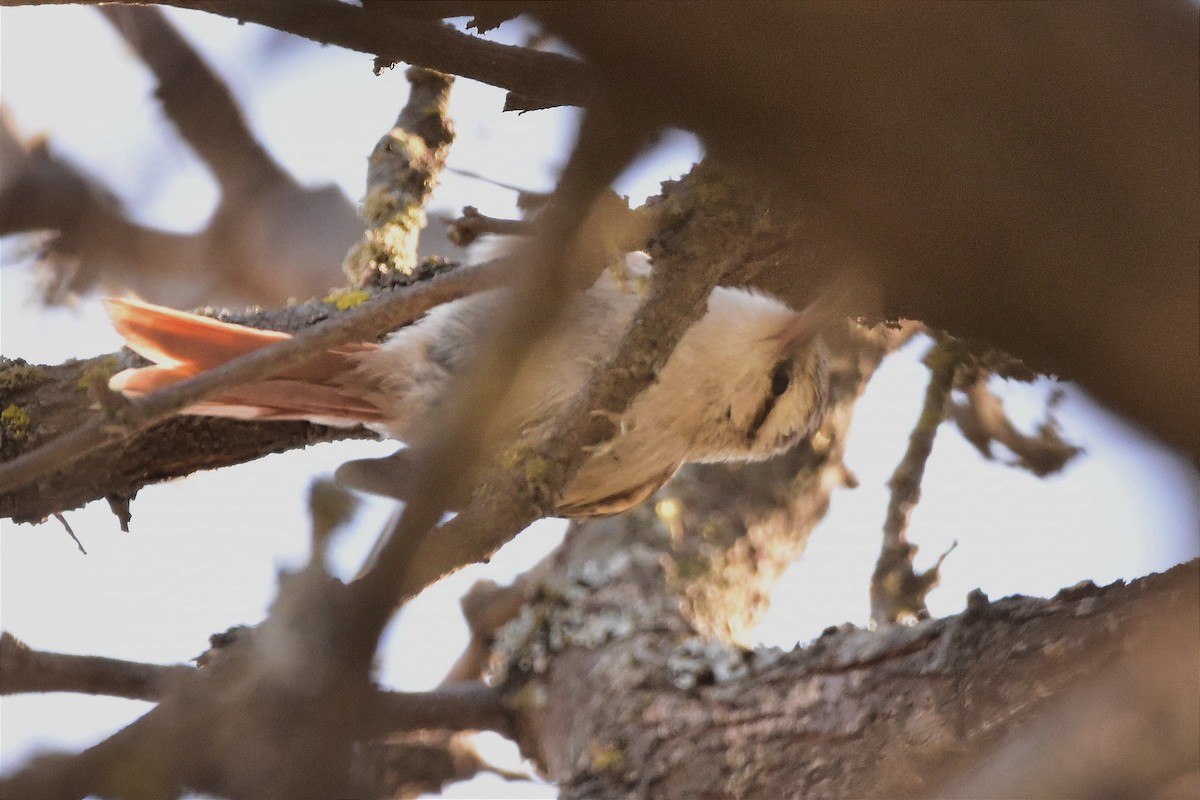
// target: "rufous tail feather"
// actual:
[[323, 389]]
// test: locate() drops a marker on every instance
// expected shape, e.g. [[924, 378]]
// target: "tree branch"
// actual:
[[897, 591], [260, 246], [197, 102], [486, 608], [24, 670], [471, 225], [44, 467], [545, 79], [403, 171], [462, 706], [93, 237], [982, 421], [219, 732], [637, 704], [405, 767]]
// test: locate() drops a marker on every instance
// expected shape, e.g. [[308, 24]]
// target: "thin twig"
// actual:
[[897, 591], [24, 670], [471, 225], [476, 176], [982, 421], [67, 526]]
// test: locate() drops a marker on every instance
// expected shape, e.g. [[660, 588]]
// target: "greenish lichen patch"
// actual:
[[605, 757], [98, 372], [17, 374], [345, 299], [15, 422], [536, 470]]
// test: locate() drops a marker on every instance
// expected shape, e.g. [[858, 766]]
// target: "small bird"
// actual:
[[746, 381]]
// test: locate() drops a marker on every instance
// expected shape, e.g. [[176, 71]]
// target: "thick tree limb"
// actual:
[[1133, 729], [636, 705]]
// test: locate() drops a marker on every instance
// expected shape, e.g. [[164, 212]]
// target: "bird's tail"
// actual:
[[324, 389]]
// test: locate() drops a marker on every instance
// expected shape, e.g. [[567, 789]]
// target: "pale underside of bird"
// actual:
[[746, 381]]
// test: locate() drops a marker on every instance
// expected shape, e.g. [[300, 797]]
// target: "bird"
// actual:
[[746, 381]]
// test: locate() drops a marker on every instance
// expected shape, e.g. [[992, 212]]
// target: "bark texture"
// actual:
[[893, 713]]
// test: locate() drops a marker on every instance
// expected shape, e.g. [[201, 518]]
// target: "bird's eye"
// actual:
[[781, 378]]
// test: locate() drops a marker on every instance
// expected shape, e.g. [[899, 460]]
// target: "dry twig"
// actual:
[[471, 225], [897, 590], [982, 421]]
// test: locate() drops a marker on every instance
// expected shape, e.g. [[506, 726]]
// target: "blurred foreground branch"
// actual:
[[269, 239]]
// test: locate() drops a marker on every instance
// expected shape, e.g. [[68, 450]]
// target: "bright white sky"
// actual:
[[203, 552]]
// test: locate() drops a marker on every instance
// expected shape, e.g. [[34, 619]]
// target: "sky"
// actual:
[[203, 552]]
